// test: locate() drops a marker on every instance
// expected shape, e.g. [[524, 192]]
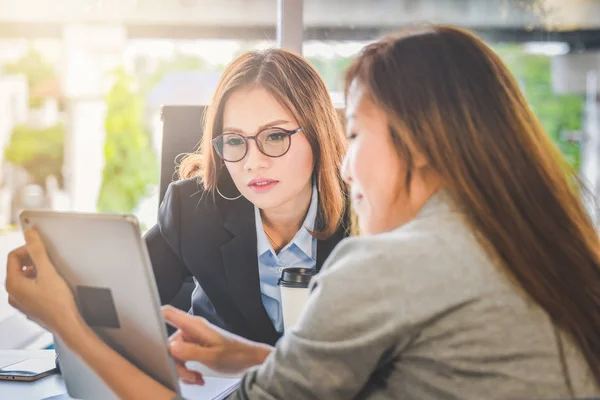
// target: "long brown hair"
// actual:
[[449, 97], [297, 86]]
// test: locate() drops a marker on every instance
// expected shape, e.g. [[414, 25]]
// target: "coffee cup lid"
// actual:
[[296, 277]]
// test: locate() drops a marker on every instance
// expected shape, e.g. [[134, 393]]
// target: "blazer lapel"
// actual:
[[240, 262], [325, 247]]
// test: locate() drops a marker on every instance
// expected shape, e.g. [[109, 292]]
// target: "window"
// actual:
[[550, 47], [110, 79]]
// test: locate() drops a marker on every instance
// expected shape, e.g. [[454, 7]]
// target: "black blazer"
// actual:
[[214, 240]]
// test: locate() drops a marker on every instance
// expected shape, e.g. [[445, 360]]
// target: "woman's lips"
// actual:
[[262, 185]]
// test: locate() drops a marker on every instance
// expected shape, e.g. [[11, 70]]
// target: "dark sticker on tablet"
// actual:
[[97, 307]]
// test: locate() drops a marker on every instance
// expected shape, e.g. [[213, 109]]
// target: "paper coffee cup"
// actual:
[[293, 285]]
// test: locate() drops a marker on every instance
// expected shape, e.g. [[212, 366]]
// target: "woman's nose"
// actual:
[[255, 159]]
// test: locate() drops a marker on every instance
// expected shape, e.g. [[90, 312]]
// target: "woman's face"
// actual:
[[375, 172], [269, 183]]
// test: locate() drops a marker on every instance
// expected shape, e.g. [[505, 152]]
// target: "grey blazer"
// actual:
[[418, 313]]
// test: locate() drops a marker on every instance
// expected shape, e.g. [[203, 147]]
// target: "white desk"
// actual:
[[46, 387], [54, 385]]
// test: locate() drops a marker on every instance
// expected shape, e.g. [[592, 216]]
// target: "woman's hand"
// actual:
[[36, 289], [221, 351]]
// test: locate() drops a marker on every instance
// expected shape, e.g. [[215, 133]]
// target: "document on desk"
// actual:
[[213, 388]]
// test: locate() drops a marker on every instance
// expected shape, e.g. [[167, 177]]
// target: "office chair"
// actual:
[[182, 132]]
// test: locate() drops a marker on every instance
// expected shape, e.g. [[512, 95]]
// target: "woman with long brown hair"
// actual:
[[478, 275], [261, 194]]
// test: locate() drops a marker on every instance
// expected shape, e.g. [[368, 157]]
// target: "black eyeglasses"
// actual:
[[272, 142]]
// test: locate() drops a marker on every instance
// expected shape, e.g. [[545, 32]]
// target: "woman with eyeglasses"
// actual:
[[262, 194], [478, 276]]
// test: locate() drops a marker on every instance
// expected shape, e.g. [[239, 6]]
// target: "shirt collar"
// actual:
[[303, 239]]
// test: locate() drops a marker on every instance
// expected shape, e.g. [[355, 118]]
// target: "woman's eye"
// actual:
[[234, 142], [351, 136], [276, 137]]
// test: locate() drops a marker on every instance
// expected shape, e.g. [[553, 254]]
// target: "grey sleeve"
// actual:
[[343, 335]]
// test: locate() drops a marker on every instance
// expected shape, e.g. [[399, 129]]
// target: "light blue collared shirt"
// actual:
[[301, 252]]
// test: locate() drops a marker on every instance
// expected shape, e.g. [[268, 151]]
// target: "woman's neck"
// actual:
[[282, 223]]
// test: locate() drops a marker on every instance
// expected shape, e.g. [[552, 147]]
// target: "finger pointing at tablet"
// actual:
[[217, 349]]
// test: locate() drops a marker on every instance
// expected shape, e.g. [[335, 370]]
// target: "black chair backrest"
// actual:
[[182, 132]]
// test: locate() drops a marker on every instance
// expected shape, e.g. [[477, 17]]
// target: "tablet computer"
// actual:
[[104, 260]]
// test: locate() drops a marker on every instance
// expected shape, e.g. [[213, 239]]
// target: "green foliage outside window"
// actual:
[[130, 162], [36, 70], [332, 71], [558, 113], [131, 165], [39, 151]]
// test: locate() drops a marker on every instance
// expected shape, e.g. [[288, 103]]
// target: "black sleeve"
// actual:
[[163, 242]]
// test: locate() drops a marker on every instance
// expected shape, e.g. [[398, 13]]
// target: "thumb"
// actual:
[[37, 251], [193, 328]]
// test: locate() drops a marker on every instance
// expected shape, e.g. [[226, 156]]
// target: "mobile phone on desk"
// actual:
[[27, 370]]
